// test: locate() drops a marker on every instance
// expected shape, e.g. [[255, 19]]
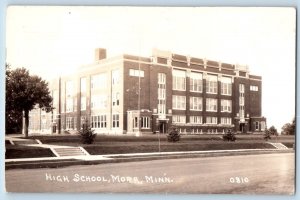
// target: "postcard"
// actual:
[[150, 100]]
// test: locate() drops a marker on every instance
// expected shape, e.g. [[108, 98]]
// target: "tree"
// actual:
[[87, 134], [267, 135], [273, 130], [173, 135], [23, 93], [289, 128], [229, 136]]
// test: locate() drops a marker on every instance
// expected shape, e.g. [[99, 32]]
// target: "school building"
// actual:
[[138, 95]]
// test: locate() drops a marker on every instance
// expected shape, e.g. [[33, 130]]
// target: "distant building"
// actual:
[[136, 95]]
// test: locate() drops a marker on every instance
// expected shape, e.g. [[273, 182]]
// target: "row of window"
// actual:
[[100, 121], [196, 85], [181, 119], [179, 103], [98, 81]]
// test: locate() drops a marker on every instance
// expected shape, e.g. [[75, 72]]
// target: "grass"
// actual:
[[105, 144], [16, 151], [96, 149]]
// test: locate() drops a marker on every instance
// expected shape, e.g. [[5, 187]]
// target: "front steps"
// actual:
[[69, 151], [278, 145]]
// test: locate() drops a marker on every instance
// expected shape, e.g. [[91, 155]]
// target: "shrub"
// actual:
[[267, 135], [87, 134], [229, 136], [173, 135]]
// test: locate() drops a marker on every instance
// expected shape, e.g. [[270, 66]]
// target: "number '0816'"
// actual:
[[239, 180]]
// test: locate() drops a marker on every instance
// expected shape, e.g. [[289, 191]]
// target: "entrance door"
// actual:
[[242, 127], [162, 127]]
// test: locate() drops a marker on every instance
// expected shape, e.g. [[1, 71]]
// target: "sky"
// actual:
[[54, 41]]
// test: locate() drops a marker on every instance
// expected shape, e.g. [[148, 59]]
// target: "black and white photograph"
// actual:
[[150, 100]]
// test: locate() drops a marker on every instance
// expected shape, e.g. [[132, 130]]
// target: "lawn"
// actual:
[[130, 144]]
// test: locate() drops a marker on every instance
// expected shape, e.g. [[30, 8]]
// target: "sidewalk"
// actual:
[[62, 161], [54, 162]]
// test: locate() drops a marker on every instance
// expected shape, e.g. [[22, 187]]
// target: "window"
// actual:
[[211, 105], [195, 103], [242, 111], [70, 123], [99, 102], [99, 121], [179, 80], [135, 72], [196, 82], [211, 120], [179, 119], [253, 88], [226, 105], [82, 121], [161, 78], [135, 122], [69, 105], [69, 88], [226, 120], [83, 85], [212, 84], [99, 81], [226, 86], [179, 102], [145, 122], [196, 119], [161, 107], [256, 126], [262, 125], [116, 122], [116, 99], [83, 103], [161, 93], [115, 77], [242, 88]]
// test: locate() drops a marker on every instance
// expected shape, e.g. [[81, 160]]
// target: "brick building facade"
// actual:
[[135, 95]]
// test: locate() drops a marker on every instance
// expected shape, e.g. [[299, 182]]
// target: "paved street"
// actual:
[[251, 174]]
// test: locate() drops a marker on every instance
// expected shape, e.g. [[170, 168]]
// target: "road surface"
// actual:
[[251, 174]]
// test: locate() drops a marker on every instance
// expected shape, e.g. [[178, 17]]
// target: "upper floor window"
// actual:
[[211, 105], [179, 119], [136, 72], [161, 78], [179, 102], [241, 88], [116, 98], [253, 88], [226, 120], [99, 81], [83, 103], [83, 85], [196, 82], [195, 103], [179, 80], [226, 86], [212, 84], [196, 119], [69, 105], [211, 120], [226, 105], [115, 77], [69, 88], [98, 101]]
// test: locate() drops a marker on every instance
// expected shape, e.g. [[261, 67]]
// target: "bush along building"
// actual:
[[139, 95]]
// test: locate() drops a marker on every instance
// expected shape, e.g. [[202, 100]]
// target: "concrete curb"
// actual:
[[32, 164]]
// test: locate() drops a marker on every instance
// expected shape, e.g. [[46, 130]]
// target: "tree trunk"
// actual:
[[26, 115]]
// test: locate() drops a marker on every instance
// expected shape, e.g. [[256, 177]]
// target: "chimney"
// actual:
[[100, 54]]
